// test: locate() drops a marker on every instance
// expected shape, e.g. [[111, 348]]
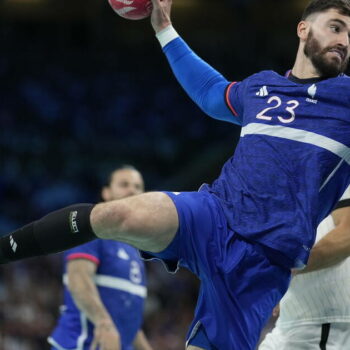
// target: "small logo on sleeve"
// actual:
[[13, 244], [73, 221]]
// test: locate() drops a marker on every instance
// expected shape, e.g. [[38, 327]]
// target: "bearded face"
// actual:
[[329, 61]]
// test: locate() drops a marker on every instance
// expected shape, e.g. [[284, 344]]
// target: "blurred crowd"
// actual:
[[62, 131], [61, 134], [31, 293]]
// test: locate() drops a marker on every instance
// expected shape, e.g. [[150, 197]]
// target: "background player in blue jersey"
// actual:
[[244, 233], [105, 286]]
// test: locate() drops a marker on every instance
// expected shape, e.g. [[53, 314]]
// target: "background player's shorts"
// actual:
[[239, 285], [199, 338], [330, 336]]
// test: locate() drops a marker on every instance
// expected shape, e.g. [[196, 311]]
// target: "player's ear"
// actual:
[[303, 30], [106, 194]]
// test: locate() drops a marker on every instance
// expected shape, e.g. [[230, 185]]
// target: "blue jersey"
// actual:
[[120, 279], [242, 234], [291, 164]]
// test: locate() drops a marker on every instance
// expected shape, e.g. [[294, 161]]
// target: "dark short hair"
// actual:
[[120, 167], [343, 6]]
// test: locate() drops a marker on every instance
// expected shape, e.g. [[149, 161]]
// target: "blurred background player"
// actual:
[[105, 286], [315, 311]]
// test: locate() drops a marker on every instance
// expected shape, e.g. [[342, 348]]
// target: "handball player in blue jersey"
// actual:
[[243, 234], [104, 286]]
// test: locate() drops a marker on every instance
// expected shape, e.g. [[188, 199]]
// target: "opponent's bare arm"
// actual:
[[335, 246], [85, 294]]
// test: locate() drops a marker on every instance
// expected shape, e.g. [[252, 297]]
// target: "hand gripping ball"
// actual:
[[132, 9]]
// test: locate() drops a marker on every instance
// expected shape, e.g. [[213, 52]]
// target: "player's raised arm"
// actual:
[[206, 87]]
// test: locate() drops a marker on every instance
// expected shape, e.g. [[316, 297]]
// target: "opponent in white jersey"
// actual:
[[315, 312]]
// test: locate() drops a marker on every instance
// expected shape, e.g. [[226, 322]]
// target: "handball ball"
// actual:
[[132, 9]]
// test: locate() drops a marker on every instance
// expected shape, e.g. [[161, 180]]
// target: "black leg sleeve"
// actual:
[[55, 232]]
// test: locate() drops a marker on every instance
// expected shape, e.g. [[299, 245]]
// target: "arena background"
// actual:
[[82, 91]]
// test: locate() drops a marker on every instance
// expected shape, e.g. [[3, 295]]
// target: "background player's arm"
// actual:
[[140, 342], [85, 294], [335, 246]]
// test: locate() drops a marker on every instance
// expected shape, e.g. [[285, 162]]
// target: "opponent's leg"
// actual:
[[148, 221]]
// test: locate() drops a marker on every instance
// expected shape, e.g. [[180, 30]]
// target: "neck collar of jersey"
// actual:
[[296, 80]]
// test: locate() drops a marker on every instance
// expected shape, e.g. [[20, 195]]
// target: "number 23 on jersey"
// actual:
[[276, 102]]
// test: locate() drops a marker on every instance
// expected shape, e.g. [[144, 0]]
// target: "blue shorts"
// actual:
[[239, 285]]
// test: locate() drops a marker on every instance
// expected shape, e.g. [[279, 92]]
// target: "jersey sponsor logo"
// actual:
[[262, 92], [13, 244], [122, 254], [73, 221], [312, 90]]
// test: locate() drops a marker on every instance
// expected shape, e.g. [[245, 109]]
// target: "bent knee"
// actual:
[[107, 219], [148, 221]]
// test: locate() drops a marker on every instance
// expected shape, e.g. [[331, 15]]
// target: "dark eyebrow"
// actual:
[[339, 21]]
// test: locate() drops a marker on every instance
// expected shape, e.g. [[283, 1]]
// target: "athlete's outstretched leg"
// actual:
[[148, 221]]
